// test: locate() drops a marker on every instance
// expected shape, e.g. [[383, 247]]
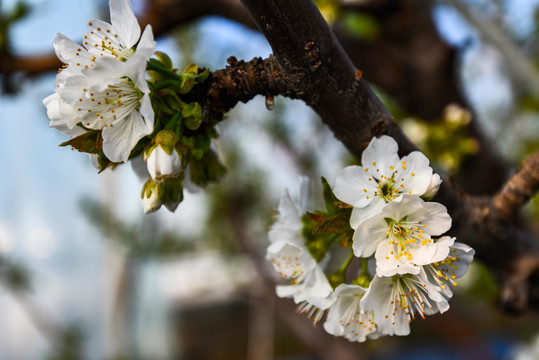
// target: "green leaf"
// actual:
[[187, 84], [90, 142], [197, 153], [202, 76], [191, 69], [192, 114], [173, 102], [189, 142], [164, 59], [103, 162]]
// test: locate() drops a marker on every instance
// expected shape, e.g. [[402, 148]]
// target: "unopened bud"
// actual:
[[163, 159], [151, 199]]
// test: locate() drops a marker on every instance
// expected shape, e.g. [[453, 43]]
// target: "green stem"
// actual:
[[162, 70], [339, 276], [364, 266], [163, 84], [347, 263]]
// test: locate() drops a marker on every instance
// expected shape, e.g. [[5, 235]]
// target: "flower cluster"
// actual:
[[118, 103], [377, 218]]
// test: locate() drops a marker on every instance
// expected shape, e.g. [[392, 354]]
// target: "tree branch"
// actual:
[[518, 189], [321, 72]]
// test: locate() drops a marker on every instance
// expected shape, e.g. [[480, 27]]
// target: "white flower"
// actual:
[[397, 300], [114, 40], [452, 267], [382, 178], [347, 318], [401, 236], [291, 258], [118, 38], [103, 86], [114, 98]]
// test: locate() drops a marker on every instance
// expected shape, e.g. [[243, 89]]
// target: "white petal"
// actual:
[[387, 264], [123, 19], [417, 173], [443, 246], [434, 186], [69, 51], [162, 165], [359, 215], [346, 318], [424, 254], [61, 114], [120, 139], [368, 235], [434, 216], [403, 207], [387, 315], [380, 155], [146, 45], [350, 186]]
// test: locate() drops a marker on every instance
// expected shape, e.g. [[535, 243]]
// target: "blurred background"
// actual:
[[86, 275]]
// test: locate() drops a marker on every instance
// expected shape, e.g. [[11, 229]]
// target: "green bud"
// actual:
[[336, 279], [166, 137], [164, 59], [362, 280], [192, 114]]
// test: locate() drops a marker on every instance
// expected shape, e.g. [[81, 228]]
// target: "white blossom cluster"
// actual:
[[102, 85], [102, 97], [394, 228]]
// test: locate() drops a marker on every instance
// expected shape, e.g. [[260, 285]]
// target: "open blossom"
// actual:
[[401, 236], [452, 267], [382, 178], [290, 257], [116, 39], [347, 318], [397, 300], [103, 84]]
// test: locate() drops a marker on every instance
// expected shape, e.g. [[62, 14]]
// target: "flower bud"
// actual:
[[169, 193], [151, 195], [163, 159], [173, 192]]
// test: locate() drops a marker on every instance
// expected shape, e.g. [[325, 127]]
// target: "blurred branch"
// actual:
[[521, 187], [141, 241], [16, 278], [517, 62]]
